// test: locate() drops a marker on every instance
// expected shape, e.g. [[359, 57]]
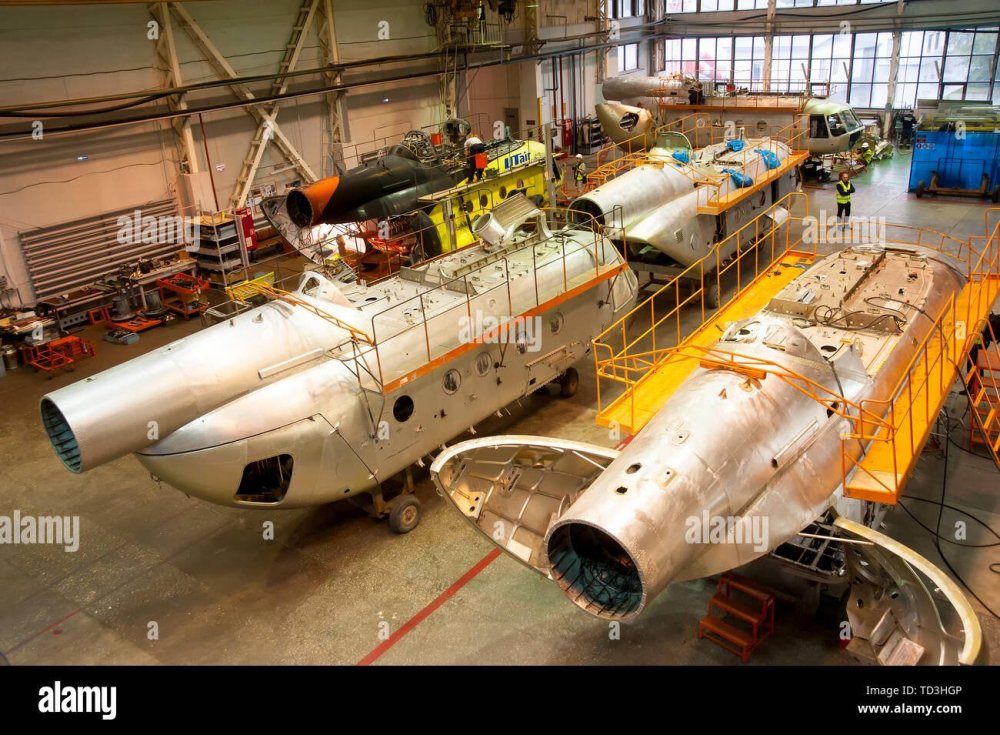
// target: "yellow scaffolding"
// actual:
[[648, 353]]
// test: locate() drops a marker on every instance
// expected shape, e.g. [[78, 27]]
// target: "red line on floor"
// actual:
[[624, 442], [44, 630], [434, 605]]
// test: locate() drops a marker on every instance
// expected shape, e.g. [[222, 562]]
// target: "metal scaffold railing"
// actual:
[[909, 413], [642, 358]]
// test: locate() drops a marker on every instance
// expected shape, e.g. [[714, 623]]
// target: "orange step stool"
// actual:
[[740, 616]]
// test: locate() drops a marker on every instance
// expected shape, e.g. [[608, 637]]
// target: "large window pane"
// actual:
[[977, 92], [884, 45], [933, 43], [842, 45], [838, 92], [800, 47], [911, 43], [838, 72], [979, 68], [985, 43], [908, 70], [929, 69], [927, 91], [906, 95], [956, 69], [879, 95], [860, 94], [742, 72], [960, 42], [744, 47]]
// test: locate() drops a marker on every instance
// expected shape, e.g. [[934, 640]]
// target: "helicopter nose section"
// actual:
[[626, 125], [304, 463]]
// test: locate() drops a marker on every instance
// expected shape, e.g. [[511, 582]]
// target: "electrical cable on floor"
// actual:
[[957, 510], [937, 531], [994, 567]]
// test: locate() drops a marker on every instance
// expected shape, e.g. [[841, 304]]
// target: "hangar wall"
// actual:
[[72, 52]]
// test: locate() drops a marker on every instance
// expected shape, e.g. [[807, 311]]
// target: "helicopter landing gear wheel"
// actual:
[[568, 383], [404, 513]]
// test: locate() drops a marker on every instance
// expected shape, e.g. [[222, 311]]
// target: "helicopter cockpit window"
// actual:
[[836, 125], [402, 151], [850, 119], [310, 287]]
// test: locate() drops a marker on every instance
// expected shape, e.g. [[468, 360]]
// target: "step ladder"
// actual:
[[740, 616], [983, 386]]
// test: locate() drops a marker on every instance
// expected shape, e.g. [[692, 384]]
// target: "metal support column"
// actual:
[[166, 52], [769, 44], [897, 43], [336, 127]]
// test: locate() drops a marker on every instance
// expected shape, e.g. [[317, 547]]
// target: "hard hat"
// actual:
[[864, 145], [579, 155]]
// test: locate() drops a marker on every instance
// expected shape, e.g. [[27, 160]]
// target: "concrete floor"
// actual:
[[334, 582]]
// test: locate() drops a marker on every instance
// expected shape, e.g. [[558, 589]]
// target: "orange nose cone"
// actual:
[[305, 205]]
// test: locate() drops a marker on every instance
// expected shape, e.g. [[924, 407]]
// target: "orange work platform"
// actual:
[[644, 357]]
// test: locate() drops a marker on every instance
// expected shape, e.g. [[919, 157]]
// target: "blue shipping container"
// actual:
[[960, 160]]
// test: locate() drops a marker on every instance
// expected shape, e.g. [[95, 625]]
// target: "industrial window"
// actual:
[[955, 64], [870, 69], [682, 6], [790, 63], [628, 57], [626, 8]]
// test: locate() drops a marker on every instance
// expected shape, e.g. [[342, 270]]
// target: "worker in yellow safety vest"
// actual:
[[844, 190], [866, 153], [580, 173]]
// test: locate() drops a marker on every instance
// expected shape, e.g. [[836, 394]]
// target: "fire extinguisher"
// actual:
[[567, 133]]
